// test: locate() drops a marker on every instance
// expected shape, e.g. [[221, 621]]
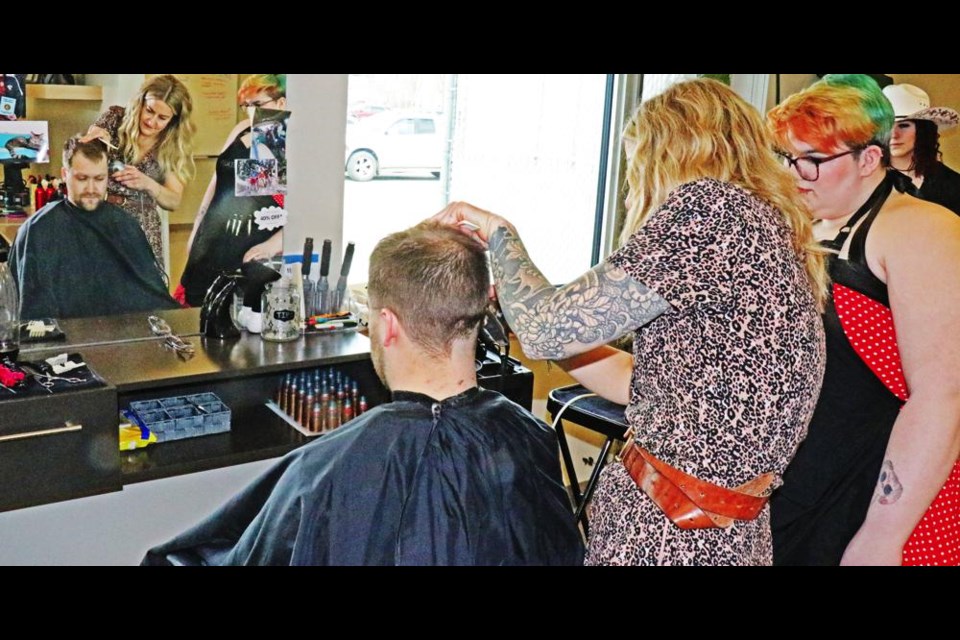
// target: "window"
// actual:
[[425, 125], [402, 127], [525, 146]]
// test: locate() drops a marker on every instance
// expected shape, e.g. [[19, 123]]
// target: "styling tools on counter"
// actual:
[[217, 315], [258, 276], [331, 322], [64, 372], [41, 330], [305, 271], [159, 327], [10, 379], [315, 402], [340, 297], [320, 300]]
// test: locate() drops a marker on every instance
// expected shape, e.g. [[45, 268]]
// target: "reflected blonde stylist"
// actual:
[[720, 280], [151, 139]]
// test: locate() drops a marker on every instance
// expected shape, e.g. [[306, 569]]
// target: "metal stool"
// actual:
[[593, 413]]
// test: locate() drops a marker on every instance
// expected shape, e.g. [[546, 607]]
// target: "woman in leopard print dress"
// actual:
[[152, 137], [720, 279]]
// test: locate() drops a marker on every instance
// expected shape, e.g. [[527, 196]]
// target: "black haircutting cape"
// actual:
[[472, 480], [72, 263]]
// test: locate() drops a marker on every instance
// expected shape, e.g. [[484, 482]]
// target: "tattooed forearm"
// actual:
[[889, 488], [553, 323]]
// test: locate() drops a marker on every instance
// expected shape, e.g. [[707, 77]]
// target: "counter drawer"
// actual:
[[58, 447]]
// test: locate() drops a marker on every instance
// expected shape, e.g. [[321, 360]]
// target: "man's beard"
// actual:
[[83, 202]]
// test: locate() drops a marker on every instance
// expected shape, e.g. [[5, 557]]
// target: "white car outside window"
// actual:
[[394, 142]]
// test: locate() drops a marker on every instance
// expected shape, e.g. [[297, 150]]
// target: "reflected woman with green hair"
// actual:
[[226, 232]]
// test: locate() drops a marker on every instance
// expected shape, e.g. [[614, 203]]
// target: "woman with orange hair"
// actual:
[[225, 233], [877, 479], [719, 278]]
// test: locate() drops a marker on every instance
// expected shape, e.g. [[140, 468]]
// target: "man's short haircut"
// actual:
[[93, 150], [435, 279]]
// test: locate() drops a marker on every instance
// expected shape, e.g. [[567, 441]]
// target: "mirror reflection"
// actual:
[[138, 205]]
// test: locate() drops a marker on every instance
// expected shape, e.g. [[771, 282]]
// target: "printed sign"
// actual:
[[26, 140], [270, 218], [7, 106]]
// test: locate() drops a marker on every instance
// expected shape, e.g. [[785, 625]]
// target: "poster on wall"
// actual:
[[269, 141], [26, 140], [256, 177]]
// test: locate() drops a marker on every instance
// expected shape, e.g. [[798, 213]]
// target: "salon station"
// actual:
[[233, 369]]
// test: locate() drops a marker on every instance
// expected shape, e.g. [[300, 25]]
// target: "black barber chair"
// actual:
[[496, 370], [591, 412]]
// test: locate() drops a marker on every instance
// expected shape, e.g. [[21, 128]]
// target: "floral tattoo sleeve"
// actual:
[[554, 323]]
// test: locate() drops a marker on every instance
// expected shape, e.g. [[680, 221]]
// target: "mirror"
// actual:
[[72, 109]]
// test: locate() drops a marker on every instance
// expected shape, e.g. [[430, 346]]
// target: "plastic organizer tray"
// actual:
[[183, 416]]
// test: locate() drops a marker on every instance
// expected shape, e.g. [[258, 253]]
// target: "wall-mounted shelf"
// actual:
[[64, 92]]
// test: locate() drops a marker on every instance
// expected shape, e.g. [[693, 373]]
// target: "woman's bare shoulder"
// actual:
[[909, 225], [906, 214]]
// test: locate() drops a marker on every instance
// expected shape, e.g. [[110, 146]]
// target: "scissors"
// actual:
[[161, 328], [46, 380]]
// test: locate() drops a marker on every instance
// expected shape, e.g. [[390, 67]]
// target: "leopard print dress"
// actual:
[[724, 383], [139, 204]]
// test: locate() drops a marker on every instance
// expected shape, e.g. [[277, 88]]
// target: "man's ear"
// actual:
[[389, 327], [63, 173], [871, 159]]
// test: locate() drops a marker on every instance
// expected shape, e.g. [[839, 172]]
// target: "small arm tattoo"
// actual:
[[889, 488], [555, 323]]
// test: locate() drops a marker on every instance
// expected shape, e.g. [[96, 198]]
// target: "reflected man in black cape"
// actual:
[[444, 474], [82, 256]]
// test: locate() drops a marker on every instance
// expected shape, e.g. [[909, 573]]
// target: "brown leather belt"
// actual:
[[115, 199], [692, 503]]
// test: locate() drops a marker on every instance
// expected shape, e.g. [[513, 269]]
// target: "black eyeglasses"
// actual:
[[808, 167], [257, 104]]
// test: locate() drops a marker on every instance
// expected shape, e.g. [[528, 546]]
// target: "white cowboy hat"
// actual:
[[912, 103]]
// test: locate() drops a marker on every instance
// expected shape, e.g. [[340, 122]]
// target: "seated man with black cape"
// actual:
[[82, 256], [444, 474]]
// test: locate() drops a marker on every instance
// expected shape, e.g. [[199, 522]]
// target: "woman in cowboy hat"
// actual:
[[915, 144]]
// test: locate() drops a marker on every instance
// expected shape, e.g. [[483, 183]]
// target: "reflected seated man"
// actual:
[[444, 474], [83, 256]]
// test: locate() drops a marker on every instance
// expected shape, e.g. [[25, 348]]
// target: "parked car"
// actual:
[[393, 142]]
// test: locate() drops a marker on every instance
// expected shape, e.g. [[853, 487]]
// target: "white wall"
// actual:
[[318, 121], [117, 528], [118, 89]]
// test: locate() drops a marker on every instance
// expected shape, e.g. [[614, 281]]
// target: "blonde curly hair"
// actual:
[[702, 129], [174, 150]]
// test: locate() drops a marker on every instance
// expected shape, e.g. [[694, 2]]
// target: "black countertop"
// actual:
[[124, 352], [242, 371]]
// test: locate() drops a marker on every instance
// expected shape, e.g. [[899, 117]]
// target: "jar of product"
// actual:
[[281, 312]]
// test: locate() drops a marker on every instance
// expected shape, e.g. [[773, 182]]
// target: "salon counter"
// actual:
[[245, 373], [72, 498]]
